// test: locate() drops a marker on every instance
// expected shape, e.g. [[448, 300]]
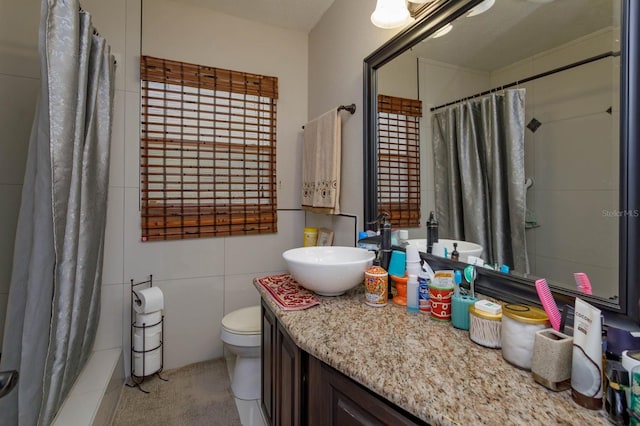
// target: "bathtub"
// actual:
[[95, 395]]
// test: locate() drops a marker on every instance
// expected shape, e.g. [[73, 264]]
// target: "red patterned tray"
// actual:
[[287, 293]]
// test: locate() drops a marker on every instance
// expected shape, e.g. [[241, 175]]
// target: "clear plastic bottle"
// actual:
[[412, 294]]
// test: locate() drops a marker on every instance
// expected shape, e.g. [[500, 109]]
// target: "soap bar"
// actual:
[[488, 306]]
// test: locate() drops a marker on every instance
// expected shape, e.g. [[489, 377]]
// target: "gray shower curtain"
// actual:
[[479, 175], [54, 298]]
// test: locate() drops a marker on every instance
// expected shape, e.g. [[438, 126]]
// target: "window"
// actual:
[[208, 151], [399, 159]]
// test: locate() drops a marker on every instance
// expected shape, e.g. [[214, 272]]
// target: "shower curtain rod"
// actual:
[[534, 77]]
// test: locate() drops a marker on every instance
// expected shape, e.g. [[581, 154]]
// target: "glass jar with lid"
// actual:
[[519, 326]]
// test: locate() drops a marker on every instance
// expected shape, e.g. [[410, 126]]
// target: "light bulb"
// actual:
[[390, 14]]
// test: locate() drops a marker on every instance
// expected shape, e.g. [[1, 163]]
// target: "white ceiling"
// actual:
[[509, 31], [301, 15], [515, 29]]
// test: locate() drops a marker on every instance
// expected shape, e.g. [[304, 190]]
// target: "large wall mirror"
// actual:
[[571, 66]]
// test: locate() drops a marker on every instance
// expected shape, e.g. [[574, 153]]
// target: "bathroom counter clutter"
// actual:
[[425, 367]]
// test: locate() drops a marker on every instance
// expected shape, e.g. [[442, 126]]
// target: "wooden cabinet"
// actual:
[[298, 388], [335, 399], [268, 359], [282, 373]]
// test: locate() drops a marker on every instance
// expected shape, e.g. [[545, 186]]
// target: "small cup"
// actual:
[[551, 360], [460, 311]]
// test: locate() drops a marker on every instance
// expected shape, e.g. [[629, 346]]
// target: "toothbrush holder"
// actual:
[[551, 360], [460, 311]]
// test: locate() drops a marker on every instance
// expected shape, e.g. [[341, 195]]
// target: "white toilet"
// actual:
[[241, 335]]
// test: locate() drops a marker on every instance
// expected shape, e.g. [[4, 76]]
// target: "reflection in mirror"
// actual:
[[519, 147]]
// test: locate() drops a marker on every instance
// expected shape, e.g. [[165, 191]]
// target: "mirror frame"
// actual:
[[511, 287]]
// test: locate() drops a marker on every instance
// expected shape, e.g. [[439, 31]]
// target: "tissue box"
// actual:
[[551, 361]]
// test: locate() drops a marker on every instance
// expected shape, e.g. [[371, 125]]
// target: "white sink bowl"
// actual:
[[328, 271], [465, 248]]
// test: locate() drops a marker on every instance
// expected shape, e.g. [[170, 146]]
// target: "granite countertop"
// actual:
[[428, 368]]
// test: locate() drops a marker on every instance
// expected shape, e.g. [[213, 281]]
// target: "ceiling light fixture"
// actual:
[[390, 14], [481, 8], [442, 31]]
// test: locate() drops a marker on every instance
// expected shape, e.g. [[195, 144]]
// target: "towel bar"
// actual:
[[351, 108]]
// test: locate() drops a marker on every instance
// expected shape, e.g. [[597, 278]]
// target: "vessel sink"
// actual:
[[465, 248], [328, 271]]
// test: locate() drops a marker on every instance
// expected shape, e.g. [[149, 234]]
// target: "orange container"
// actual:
[[376, 281]]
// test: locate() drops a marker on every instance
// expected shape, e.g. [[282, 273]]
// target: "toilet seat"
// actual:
[[242, 337], [243, 321], [242, 327]]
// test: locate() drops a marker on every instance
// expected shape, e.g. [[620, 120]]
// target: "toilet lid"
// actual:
[[243, 321]]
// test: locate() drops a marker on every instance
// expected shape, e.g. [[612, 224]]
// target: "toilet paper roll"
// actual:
[[151, 322], [150, 341], [151, 362], [148, 300]]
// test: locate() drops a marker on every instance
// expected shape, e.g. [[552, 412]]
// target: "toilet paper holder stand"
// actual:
[[142, 351]]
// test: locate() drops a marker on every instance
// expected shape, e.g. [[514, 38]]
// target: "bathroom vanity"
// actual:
[[346, 360]]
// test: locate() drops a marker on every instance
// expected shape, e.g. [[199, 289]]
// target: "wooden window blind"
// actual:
[[399, 159], [208, 151]]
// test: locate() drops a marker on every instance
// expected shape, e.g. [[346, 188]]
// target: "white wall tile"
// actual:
[[126, 324], [259, 253], [240, 292], [345, 230], [19, 23], [513, 72], [109, 334], [132, 140], [197, 257], [16, 118], [193, 314], [575, 227], [289, 178], [132, 47], [559, 97], [577, 154], [577, 50]]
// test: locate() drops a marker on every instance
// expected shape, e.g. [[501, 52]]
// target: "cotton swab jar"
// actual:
[[485, 327]]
